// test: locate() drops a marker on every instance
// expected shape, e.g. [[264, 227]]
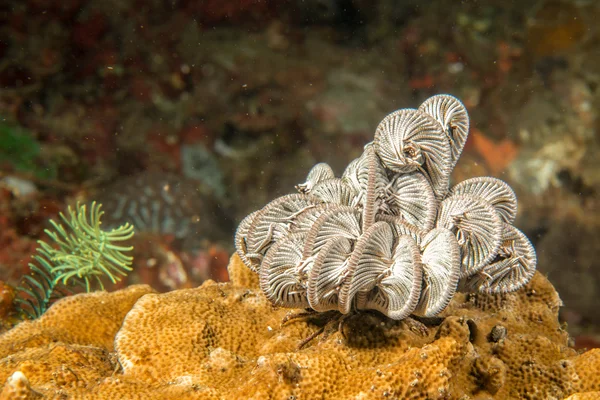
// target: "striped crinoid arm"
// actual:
[[370, 257], [274, 221], [395, 136], [328, 273], [335, 191], [398, 287], [319, 173], [353, 178], [339, 221], [241, 242], [441, 271], [305, 221], [511, 269], [452, 115], [495, 191], [477, 227], [408, 140], [282, 275], [411, 197], [356, 175], [401, 227], [370, 207]]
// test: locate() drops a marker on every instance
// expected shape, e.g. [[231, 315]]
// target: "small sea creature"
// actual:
[[85, 254], [390, 235]]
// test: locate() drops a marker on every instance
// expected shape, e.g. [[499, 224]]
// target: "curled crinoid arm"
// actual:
[[453, 117], [477, 227], [396, 140], [334, 191], [356, 175], [327, 274], [441, 270], [241, 237], [369, 207], [512, 268], [398, 287], [373, 264], [408, 140], [305, 221], [411, 197], [319, 173], [350, 174], [342, 221], [401, 227], [282, 275], [274, 221], [371, 255], [494, 191]]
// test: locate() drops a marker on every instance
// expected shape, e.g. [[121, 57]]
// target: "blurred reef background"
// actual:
[[183, 116]]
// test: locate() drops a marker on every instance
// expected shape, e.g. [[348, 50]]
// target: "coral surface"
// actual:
[[226, 341]]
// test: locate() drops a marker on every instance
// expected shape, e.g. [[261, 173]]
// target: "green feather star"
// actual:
[[80, 254]]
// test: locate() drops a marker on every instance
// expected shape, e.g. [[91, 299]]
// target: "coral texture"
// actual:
[[227, 341], [391, 234]]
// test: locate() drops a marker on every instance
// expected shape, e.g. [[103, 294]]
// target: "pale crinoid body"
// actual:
[[391, 235]]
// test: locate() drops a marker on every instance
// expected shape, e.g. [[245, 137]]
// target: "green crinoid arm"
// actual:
[[38, 288], [79, 253], [87, 251]]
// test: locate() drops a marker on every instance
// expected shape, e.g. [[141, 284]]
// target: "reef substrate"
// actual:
[[226, 341]]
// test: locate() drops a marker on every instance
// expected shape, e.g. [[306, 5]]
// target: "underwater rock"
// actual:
[[226, 341]]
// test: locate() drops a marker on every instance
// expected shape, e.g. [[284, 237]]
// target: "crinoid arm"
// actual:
[[494, 191], [409, 140], [319, 173], [281, 278], [452, 115], [328, 274], [398, 287], [511, 269], [335, 191], [441, 271], [411, 197], [477, 226]]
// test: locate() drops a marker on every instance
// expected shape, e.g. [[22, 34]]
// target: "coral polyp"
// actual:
[[391, 234]]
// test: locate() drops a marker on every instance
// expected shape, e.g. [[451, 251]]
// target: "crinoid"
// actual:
[[79, 253], [390, 235]]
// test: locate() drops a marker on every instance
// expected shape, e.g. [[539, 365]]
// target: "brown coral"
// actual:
[[222, 341]]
